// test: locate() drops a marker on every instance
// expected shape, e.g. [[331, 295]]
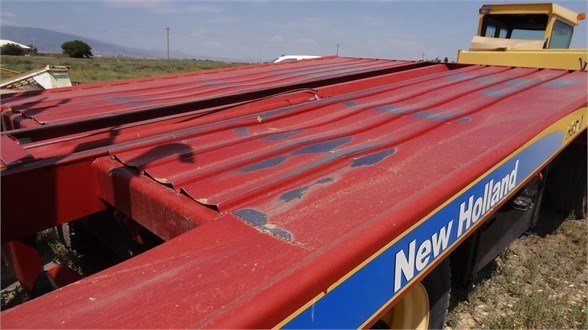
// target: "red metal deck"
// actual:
[[265, 202], [175, 92]]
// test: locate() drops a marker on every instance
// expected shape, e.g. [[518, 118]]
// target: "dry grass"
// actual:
[[110, 68], [539, 282]]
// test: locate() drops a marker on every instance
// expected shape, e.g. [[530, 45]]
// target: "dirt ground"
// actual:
[[539, 282]]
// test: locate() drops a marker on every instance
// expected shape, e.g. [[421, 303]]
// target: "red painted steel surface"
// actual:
[[58, 151], [99, 101], [59, 194], [295, 196], [63, 275], [64, 153], [13, 153], [24, 258], [159, 209]]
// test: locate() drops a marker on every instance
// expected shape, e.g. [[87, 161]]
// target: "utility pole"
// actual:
[[338, 45], [167, 30]]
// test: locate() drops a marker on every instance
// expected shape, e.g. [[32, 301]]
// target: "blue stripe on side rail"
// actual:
[[362, 294]]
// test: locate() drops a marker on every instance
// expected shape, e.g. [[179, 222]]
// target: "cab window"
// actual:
[[489, 30], [561, 35], [515, 26], [527, 34]]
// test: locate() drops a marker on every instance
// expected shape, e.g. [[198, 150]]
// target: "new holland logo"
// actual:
[[409, 262], [494, 192]]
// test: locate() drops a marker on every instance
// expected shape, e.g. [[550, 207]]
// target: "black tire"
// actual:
[[567, 189], [438, 287]]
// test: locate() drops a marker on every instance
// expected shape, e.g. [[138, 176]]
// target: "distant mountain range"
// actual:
[[48, 41]]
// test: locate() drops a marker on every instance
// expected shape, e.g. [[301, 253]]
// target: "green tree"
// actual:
[[77, 49], [12, 49]]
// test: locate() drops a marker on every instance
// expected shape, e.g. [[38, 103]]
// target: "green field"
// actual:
[[110, 68]]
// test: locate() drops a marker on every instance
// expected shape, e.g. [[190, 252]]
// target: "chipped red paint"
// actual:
[[264, 201]]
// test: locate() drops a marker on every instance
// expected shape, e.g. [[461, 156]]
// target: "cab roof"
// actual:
[[532, 8]]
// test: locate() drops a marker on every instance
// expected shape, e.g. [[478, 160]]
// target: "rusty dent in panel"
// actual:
[[279, 136], [322, 146], [510, 86], [299, 192], [458, 76], [319, 147], [372, 159], [562, 82], [270, 162], [260, 221], [242, 131], [424, 114], [391, 109]]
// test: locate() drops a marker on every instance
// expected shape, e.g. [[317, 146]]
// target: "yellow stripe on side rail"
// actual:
[[566, 59]]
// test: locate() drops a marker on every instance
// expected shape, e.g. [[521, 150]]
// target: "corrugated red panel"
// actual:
[[279, 150], [303, 193], [125, 97], [55, 149], [45, 146]]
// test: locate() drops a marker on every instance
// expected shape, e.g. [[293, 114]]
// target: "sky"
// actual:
[[262, 30]]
